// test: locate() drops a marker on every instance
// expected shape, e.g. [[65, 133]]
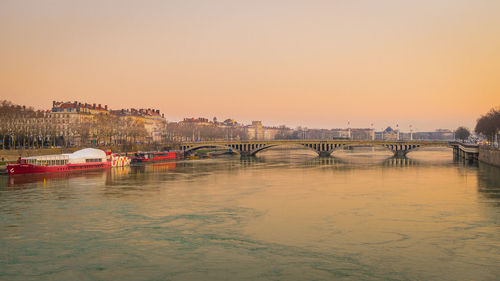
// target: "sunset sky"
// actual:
[[433, 64]]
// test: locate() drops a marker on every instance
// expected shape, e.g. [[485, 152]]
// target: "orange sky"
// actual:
[[433, 64]]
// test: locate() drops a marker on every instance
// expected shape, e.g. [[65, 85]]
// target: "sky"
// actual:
[[318, 64]]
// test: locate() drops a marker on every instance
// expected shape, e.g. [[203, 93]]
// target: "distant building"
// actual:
[[270, 133], [258, 132], [362, 134], [405, 136], [283, 132], [200, 121], [255, 131], [229, 122], [154, 122], [349, 133], [340, 133], [440, 134], [68, 115], [388, 134]]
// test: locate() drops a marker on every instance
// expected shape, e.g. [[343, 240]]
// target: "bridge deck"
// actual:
[[361, 142], [466, 147]]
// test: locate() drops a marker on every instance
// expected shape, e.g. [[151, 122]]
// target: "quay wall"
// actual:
[[489, 155]]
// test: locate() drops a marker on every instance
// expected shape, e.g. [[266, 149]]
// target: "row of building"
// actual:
[[257, 131], [68, 115]]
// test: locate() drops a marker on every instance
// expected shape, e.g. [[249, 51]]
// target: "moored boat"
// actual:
[[145, 157], [84, 159], [119, 161]]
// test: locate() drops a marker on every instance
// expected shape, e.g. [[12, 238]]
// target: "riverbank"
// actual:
[[489, 155]]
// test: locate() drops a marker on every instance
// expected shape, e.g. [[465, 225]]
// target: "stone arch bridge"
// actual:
[[322, 147]]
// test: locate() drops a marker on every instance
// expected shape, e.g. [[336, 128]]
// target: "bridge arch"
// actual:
[[271, 145], [401, 150], [322, 149], [191, 148]]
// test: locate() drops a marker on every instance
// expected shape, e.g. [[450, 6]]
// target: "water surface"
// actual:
[[280, 216]]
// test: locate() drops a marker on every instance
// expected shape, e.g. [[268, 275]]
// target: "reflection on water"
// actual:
[[284, 215], [37, 180], [489, 181]]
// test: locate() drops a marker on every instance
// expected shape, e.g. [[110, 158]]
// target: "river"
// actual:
[[284, 215]]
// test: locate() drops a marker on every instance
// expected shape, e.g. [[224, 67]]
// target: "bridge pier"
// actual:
[[246, 154], [400, 153], [324, 153]]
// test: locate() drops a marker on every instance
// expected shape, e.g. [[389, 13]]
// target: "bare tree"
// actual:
[[462, 133], [489, 125]]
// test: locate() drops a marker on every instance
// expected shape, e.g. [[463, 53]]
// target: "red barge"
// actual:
[[85, 159], [146, 157]]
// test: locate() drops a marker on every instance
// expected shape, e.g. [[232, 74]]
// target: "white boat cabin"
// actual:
[[87, 155]]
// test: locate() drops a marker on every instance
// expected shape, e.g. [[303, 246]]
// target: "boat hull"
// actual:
[[170, 156], [19, 169]]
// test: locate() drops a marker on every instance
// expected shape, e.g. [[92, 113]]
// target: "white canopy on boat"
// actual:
[[82, 155]]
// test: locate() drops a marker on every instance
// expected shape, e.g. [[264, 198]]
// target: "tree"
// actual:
[[462, 133], [6, 112], [84, 130], [489, 125]]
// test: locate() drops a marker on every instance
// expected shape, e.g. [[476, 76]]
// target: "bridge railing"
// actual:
[[466, 147], [342, 141]]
